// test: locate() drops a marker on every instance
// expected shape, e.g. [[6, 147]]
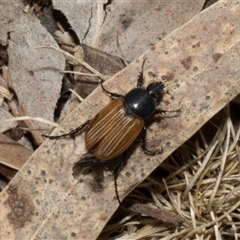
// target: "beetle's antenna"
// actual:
[[140, 76], [113, 95], [116, 189]]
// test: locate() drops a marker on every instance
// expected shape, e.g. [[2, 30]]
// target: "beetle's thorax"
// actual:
[[139, 103]]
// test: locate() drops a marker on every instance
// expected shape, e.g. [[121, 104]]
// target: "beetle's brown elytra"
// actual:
[[111, 131]]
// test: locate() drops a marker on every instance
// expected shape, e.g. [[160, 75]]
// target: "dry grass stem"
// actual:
[[76, 61], [39, 119], [86, 74], [77, 95]]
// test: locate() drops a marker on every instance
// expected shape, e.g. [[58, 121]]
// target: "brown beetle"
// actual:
[[111, 132]]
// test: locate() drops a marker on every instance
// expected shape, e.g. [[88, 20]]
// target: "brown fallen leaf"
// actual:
[[7, 172], [154, 212], [124, 28], [13, 154], [33, 73]]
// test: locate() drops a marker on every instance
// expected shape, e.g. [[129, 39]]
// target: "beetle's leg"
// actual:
[[121, 162], [71, 133], [143, 144], [116, 171], [113, 95], [140, 76]]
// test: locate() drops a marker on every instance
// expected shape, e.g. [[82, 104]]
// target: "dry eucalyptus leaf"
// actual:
[[201, 64], [8, 125], [8, 173], [81, 15], [10, 13], [161, 214], [34, 75], [136, 26], [13, 154]]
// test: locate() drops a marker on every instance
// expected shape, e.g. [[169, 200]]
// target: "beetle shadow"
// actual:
[[90, 165]]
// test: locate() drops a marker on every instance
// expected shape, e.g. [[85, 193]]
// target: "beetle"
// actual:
[[110, 133]]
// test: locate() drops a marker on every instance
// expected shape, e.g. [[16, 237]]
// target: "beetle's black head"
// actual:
[[142, 102], [155, 89]]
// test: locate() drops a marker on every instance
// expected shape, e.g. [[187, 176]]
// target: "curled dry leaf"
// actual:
[[58, 206], [34, 73], [124, 28]]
